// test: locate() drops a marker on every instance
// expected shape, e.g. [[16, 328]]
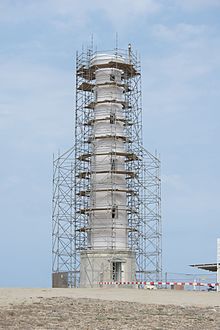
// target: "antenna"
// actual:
[[92, 41], [129, 52], [116, 42]]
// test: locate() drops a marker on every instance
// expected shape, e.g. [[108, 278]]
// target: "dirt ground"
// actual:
[[108, 309]]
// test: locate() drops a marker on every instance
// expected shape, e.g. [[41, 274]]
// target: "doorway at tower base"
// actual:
[[106, 266]]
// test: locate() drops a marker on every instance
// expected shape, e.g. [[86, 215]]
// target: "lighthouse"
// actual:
[[106, 188], [108, 256]]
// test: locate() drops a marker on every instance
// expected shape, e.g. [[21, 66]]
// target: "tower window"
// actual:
[[112, 77], [114, 212], [112, 118], [113, 164]]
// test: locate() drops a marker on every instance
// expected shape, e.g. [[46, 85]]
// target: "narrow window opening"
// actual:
[[113, 164], [112, 118], [114, 212], [112, 77], [116, 271]]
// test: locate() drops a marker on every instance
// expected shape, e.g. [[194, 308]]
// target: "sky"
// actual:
[[179, 44]]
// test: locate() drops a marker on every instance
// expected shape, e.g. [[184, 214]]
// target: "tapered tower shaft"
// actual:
[[108, 251]]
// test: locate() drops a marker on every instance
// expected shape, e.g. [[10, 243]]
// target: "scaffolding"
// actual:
[[72, 172]]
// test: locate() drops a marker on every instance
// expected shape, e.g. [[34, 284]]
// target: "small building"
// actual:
[[212, 267]]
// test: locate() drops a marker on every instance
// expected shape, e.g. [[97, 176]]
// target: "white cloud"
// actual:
[[179, 32], [48, 10], [188, 59], [186, 191], [190, 5], [34, 100], [197, 4], [127, 10], [175, 182], [113, 9], [121, 15], [67, 14]]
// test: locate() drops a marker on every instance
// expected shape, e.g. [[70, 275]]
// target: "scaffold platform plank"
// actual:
[[109, 136], [92, 209], [124, 120], [87, 192], [84, 175], [85, 86], [92, 104], [89, 72], [129, 155]]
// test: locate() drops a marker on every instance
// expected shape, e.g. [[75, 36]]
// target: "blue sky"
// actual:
[[179, 43]]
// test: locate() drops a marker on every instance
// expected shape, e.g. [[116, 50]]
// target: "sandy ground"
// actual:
[[108, 309]]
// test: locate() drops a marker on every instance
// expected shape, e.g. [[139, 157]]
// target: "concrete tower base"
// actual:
[[106, 266]]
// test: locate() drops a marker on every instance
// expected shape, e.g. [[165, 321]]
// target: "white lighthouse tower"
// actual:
[[106, 213], [108, 256]]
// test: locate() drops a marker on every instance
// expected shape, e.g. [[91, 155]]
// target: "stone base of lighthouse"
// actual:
[[106, 266]]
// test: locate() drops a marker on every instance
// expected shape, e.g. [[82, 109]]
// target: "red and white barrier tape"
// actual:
[[162, 283]]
